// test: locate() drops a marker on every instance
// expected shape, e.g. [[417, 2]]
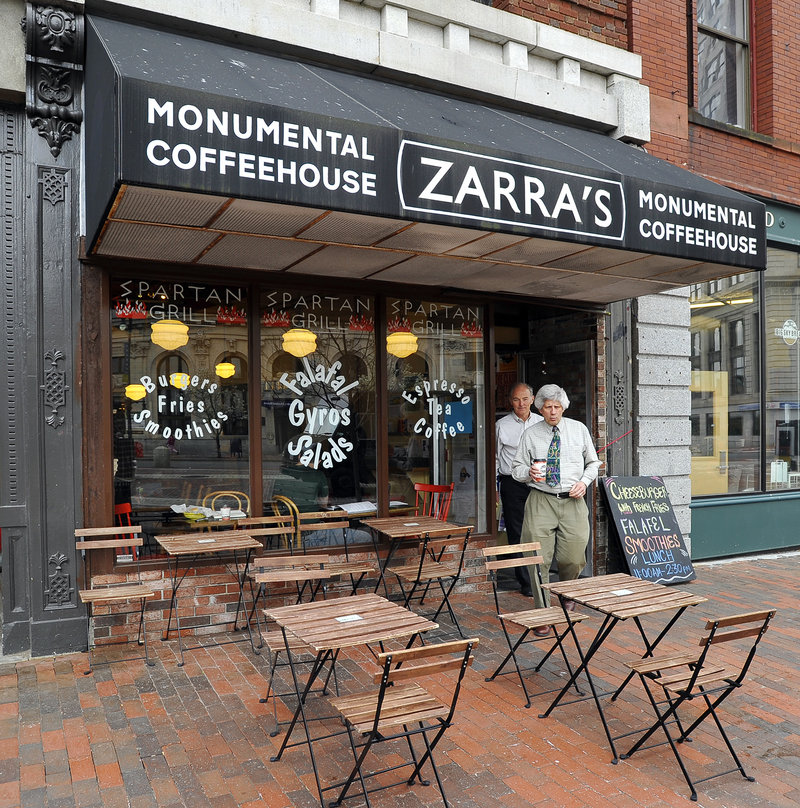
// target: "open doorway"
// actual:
[[537, 345]]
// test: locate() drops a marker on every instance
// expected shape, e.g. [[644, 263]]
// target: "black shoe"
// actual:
[[526, 592]]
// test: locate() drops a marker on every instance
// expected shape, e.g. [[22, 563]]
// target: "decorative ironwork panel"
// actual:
[[620, 398], [55, 389], [54, 74], [59, 590]]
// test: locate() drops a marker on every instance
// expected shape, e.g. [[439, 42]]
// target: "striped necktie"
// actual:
[[552, 474]]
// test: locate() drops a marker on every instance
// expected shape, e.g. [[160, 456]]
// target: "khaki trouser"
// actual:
[[561, 526]]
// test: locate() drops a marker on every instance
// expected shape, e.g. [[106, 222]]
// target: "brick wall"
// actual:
[[209, 594], [765, 161], [602, 20]]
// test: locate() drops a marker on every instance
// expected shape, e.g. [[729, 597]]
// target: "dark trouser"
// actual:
[[514, 495]]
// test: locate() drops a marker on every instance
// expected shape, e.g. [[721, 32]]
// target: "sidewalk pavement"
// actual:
[[131, 735]]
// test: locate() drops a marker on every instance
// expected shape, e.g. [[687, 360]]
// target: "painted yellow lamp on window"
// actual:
[[135, 392], [401, 344], [225, 369], [169, 334], [299, 342], [179, 380]]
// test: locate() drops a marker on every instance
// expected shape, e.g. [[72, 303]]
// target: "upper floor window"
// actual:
[[722, 61]]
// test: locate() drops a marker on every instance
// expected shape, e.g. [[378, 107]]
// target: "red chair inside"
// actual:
[[123, 513], [433, 500]]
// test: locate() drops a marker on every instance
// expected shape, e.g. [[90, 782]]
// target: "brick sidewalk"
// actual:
[[197, 736]]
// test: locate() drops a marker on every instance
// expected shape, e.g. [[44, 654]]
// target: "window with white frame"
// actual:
[[722, 61]]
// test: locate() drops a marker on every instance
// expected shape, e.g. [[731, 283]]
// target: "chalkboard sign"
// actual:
[[648, 530]]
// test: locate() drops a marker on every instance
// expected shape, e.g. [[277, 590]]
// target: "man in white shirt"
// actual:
[[513, 494], [557, 461]]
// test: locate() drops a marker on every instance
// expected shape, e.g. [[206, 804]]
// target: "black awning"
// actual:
[[191, 115]]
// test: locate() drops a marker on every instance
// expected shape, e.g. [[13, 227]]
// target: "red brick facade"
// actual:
[[763, 160], [603, 20]]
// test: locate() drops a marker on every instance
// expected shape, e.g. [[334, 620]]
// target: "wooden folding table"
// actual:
[[328, 626], [618, 597], [188, 547]]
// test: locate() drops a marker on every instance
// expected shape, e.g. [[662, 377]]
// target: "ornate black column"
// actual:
[[52, 157], [13, 483]]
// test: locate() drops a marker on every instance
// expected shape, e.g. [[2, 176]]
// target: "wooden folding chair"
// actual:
[[108, 597], [531, 622], [270, 530], [431, 566], [433, 500], [403, 709], [313, 521], [707, 677], [307, 574]]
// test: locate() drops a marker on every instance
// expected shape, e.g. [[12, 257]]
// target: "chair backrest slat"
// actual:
[[298, 562], [265, 521], [418, 671], [119, 530], [425, 651], [508, 549], [108, 544], [510, 563], [738, 619], [439, 658]]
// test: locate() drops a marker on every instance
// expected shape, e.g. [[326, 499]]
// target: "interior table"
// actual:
[[617, 597], [184, 549], [399, 529], [329, 626]]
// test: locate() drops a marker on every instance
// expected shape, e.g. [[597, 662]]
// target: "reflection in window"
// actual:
[[436, 404], [726, 443], [180, 429], [723, 61], [782, 368]]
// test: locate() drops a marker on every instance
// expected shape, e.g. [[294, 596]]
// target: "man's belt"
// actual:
[[556, 494]]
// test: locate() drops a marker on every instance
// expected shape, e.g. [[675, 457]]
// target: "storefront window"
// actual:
[[782, 369], [318, 405], [179, 383], [726, 400], [436, 403]]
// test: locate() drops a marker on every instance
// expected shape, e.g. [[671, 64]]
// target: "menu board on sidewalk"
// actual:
[[648, 531]]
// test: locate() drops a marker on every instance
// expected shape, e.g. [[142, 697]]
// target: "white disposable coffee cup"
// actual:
[[225, 512], [539, 468]]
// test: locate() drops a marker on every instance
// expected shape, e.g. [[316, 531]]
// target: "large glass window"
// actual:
[[722, 61], [318, 405], [436, 403], [181, 367], [179, 386], [726, 400], [782, 369]]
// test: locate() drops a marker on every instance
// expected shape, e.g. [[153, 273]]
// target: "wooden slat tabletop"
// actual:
[[623, 596], [405, 527], [348, 622], [221, 541]]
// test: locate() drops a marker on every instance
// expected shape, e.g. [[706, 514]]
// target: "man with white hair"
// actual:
[[557, 460]]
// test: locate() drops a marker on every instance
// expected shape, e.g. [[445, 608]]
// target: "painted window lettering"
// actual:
[[439, 416], [199, 424], [319, 383]]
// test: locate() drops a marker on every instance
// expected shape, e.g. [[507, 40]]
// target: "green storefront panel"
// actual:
[[734, 526]]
